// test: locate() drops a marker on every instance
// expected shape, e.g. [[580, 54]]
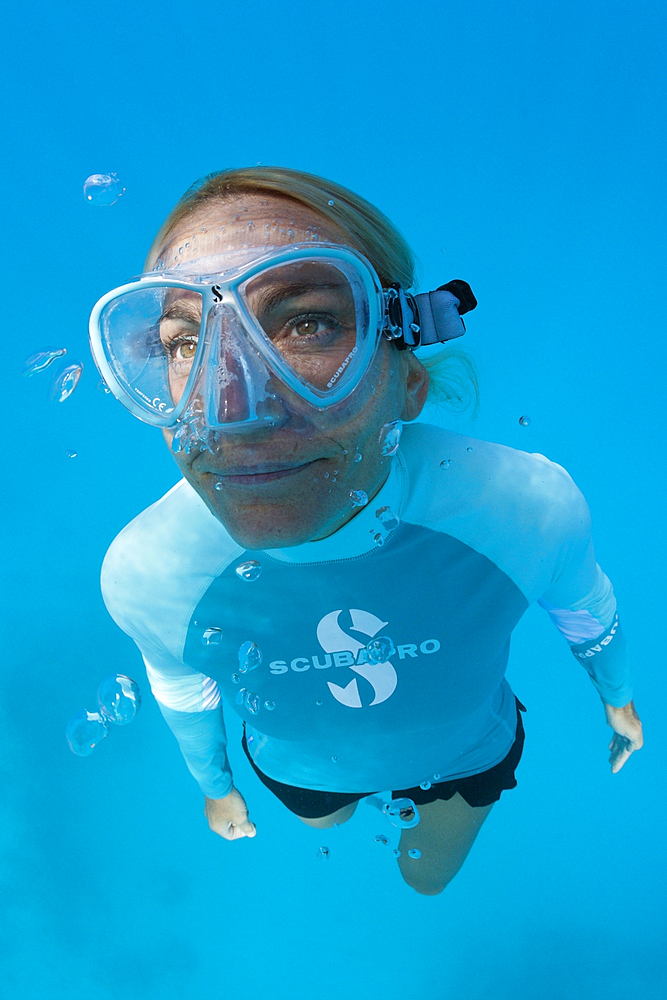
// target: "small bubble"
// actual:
[[323, 852], [252, 702], [378, 538], [425, 785], [319, 702], [119, 699], [390, 437], [250, 570], [445, 464], [414, 852], [468, 449], [84, 731], [212, 636], [103, 387], [240, 696], [357, 455], [380, 839], [66, 382], [380, 649], [436, 777], [250, 657], [70, 453], [524, 421], [219, 486], [387, 518], [330, 201], [326, 475], [38, 362], [335, 760], [269, 705], [236, 679], [358, 498], [103, 190], [396, 852]]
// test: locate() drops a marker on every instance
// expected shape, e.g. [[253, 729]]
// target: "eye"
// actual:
[[306, 327], [183, 350]]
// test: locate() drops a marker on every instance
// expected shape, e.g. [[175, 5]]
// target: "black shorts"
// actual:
[[478, 790]]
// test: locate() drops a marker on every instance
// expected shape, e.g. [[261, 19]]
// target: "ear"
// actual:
[[416, 387]]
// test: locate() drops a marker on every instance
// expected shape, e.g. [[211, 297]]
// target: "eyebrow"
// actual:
[[271, 297], [183, 309]]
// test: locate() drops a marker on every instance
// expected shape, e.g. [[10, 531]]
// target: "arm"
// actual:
[[581, 604], [191, 707]]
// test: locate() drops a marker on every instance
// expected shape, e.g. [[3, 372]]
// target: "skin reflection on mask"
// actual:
[[288, 484]]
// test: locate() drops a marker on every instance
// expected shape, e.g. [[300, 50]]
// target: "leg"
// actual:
[[444, 835], [338, 817]]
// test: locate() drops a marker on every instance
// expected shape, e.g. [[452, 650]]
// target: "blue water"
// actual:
[[518, 145]]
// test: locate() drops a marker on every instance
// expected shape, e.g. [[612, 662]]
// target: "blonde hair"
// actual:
[[452, 377]]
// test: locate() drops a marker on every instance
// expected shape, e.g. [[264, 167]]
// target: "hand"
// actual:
[[628, 735], [229, 816]]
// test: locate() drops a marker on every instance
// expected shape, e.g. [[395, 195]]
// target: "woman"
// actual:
[[351, 599]]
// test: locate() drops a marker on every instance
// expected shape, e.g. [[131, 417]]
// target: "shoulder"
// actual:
[[517, 508], [162, 552]]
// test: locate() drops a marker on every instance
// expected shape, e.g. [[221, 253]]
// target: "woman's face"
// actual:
[[278, 486]]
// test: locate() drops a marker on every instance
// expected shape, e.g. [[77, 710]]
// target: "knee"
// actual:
[[424, 882]]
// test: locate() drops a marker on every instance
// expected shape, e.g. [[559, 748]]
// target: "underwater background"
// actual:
[[518, 145]]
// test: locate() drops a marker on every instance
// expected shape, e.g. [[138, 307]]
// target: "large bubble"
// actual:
[[66, 382], [103, 189], [119, 699], [84, 731], [40, 361]]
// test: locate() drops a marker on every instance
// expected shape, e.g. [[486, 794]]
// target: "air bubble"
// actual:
[[319, 702], [396, 852], [401, 812], [66, 382], [358, 498], [212, 636], [38, 362], [240, 696], [330, 202], [236, 679], [70, 453], [103, 387], [378, 538], [380, 838], [436, 777], [103, 190], [250, 570], [219, 486], [468, 449], [269, 705], [323, 852], [357, 455], [119, 699], [414, 852], [445, 464], [252, 702], [84, 731], [524, 421], [425, 785], [387, 518], [380, 649], [335, 760], [390, 437], [250, 657]]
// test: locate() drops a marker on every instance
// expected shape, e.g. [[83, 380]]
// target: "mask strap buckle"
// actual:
[[413, 321]]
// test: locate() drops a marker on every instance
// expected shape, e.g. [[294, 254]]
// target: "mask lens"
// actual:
[[314, 313], [150, 339]]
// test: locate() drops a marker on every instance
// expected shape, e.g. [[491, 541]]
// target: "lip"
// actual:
[[261, 473]]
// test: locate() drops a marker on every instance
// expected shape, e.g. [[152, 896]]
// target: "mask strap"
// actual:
[[428, 318]]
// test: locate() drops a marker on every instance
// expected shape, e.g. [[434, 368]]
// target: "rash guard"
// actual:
[[484, 531]]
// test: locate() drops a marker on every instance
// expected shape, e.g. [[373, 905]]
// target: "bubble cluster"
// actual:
[[103, 190], [358, 498], [390, 437], [39, 362], [66, 382], [524, 421], [250, 570], [119, 699], [212, 636], [250, 657]]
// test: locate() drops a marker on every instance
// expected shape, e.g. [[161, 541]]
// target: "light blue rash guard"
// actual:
[[478, 542]]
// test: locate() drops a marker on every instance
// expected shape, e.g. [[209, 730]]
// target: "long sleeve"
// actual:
[[582, 606]]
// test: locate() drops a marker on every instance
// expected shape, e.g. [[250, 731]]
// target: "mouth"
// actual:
[[258, 474]]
